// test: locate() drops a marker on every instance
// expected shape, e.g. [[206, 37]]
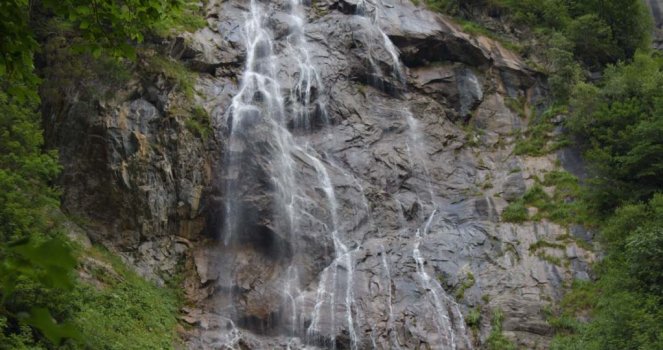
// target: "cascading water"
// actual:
[[261, 122], [308, 82], [259, 128], [390, 307], [258, 105], [415, 147], [343, 258]]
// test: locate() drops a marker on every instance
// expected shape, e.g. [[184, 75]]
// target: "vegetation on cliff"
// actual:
[[618, 122], [42, 302], [615, 116]]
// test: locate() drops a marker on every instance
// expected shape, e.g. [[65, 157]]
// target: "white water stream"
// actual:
[[259, 109]]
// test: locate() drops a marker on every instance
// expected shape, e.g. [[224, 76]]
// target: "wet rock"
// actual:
[[581, 232], [571, 160], [470, 91], [486, 209], [493, 115], [453, 85], [514, 187]]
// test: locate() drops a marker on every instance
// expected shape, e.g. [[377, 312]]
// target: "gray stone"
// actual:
[[514, 187], [470, 90]]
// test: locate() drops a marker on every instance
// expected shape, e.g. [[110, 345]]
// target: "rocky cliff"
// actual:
[[656, 9], [350, 193]]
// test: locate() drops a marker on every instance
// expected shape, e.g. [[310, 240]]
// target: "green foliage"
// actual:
[[565, 183], [539, 139], [103, 27], [176, 73], [28, 272], [564, 71], [618, 123], [515, 212], [78, 75], [458, 7], [16, 47], [199, 122], [128, 312], [31, 251], [564, 206], [496, 339], [24, 169], [628, 20], [518, 106], [552, 259], [592, 39], [644, 256], [594, 32], [545, 244], [465, 284], [123, 311], [635, 232], [110, 26], [620, 127], [625, 304], [40, 302], [621, 317], [473, 318], [600, 32], [548, 13], [475, 29], [188, 18]]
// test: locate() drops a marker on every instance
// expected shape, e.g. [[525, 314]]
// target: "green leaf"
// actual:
[[83, 10], [41, 319], [54, 257], [96, 52]]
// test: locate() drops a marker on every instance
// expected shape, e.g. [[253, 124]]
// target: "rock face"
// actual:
[[388, 232], [132, 171], [656, 9]]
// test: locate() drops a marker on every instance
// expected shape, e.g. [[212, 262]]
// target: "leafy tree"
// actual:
[[626, 302], [628, 21], [30, 251], [592, 39], [620, 126], [114, 25], [549, 13], [36, 263], [565, 72]]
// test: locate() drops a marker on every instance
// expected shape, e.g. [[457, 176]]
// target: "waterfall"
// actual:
[[256, 106], [344, 257], [258, 125], [445, 319], [265, 163], [390, 307]]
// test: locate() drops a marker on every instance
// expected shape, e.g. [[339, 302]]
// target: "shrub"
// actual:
[[128, 312], [515, 212]]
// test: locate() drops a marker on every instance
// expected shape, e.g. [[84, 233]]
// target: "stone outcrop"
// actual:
[[133, 172], [656, 9], [153, 191]]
